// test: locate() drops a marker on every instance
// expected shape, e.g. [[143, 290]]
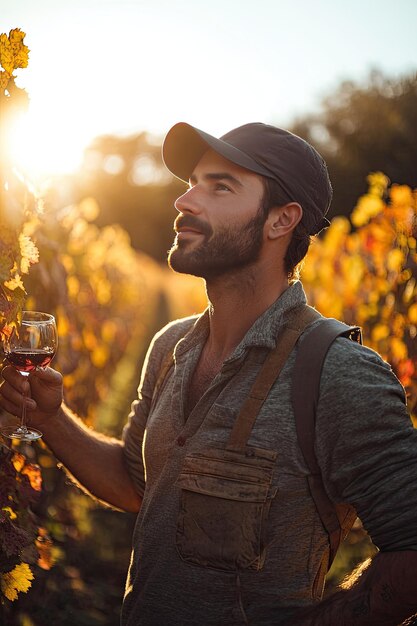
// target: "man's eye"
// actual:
[[222, 187]]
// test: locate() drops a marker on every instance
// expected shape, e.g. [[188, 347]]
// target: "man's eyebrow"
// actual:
[[217, 176]]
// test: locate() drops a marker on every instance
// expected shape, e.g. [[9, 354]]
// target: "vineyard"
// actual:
[[109, 299]]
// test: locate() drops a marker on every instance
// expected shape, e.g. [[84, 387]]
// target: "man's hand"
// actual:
[[95, 461], [42, 391]]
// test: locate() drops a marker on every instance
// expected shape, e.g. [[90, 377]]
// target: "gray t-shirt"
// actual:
[[365, 444]]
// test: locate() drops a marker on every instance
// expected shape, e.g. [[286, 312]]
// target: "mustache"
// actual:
[[190, 221]]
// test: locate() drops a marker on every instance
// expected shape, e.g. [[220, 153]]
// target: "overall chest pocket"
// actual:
[[225, 499]]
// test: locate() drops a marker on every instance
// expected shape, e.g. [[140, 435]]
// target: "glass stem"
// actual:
[[22, 426]]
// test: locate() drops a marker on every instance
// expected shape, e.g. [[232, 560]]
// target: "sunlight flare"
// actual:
[[40, 145]]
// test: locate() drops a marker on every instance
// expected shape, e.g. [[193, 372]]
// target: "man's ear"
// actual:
[[282, 220]]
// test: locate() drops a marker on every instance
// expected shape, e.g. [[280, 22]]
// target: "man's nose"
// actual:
[[188, 202]]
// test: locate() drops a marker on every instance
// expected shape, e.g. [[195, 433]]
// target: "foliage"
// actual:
[[17, 580], [96, 284], [367, 275], [13, 54], [364, 272], [19, 212], [22, 541], [18, 205]]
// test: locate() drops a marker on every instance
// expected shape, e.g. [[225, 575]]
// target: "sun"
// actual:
[[41, 145]]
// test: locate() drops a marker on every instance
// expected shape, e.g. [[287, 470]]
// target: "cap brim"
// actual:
[[184, 145]]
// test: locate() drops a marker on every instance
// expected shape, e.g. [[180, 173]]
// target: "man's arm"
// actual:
[[367, 450], [384, 594], [97, 462]]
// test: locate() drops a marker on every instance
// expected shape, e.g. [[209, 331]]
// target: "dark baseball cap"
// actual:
[[278, 154]]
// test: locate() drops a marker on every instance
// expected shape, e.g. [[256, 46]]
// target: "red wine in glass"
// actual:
[[32, 345], [28, 360]]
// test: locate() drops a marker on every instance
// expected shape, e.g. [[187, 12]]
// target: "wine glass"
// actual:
[[31, 345]]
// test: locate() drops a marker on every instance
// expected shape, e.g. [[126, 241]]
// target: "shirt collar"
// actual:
[[263, 332]]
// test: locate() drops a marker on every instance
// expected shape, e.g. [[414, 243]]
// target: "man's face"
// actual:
[[220, 223]]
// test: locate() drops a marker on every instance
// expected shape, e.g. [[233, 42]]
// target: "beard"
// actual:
[[225, 251]]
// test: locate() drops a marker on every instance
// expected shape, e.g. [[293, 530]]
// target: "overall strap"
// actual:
[[297, 320], [312, 351]]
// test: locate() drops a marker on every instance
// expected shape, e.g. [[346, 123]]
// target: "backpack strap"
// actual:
[[313, 347], [297, 320]]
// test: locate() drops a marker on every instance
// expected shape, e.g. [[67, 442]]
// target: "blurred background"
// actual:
[[88, 210]]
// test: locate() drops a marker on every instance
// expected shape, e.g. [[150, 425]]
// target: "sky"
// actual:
[[123, 66]]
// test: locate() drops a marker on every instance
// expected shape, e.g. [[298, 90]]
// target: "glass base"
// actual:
[[23, 434]]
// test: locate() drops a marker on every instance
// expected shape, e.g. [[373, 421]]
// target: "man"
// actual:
[[230, 535]]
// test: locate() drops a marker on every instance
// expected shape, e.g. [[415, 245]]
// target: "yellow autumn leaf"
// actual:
[[108, 330], [378, 182], [379, 332], [89, 209], [401, 195], [18, 461], [9, 510], [308, 271], [103, 291], [44, 547], [353, 269], [16, 36], [13, 52], [29, 253], [89, 339], [32, 471], [402, 240], [409, 290], [21, 58], [362, 313], [4, 79], [412, 313], [6, 54], [16, 581], [19, 50], [398, 349], [14, 283], [63, 325], [368, 207], [336, 234], [326, 272], [73, 286], [395, 260], [372, 309], [100, 355]]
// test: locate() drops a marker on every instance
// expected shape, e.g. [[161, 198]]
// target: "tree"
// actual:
[[368, 128], [133, 188]]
